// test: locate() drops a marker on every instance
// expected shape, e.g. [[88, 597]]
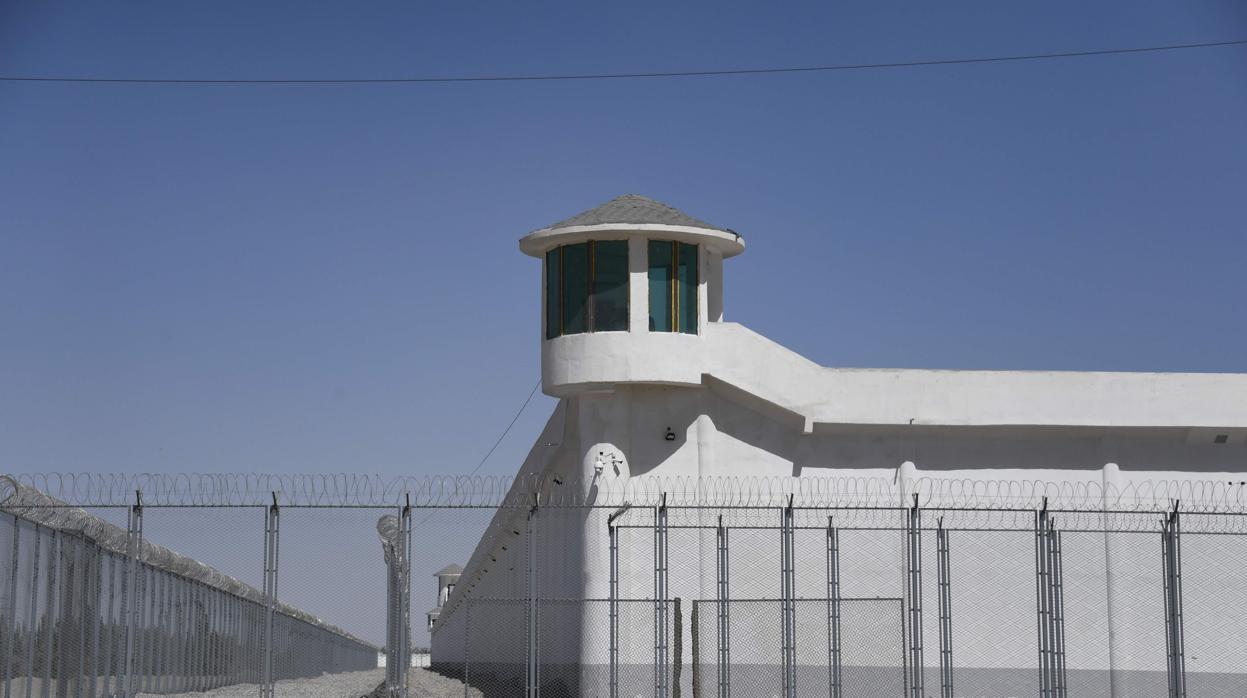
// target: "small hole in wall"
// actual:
[[670, 435], [1221, 438]]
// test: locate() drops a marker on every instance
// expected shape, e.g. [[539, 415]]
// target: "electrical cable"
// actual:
[[615, 76]]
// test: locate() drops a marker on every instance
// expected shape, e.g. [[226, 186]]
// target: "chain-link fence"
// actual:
[[82, 619], [544, 587]]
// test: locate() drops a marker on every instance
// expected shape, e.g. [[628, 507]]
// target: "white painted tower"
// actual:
[[629, 289]]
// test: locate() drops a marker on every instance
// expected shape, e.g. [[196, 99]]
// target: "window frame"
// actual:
[[558, 254], [677, 314]]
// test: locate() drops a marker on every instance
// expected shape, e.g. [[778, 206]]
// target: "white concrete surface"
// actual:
[[741, 406]]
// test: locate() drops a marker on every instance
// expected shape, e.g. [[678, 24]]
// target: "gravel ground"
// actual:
[[351, 684], [423, 683], [354, 684]]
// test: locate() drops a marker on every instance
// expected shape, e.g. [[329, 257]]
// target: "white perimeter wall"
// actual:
[[718, 436]]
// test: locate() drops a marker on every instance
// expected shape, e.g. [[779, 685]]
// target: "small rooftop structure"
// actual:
[[451, 570], [447, 577]]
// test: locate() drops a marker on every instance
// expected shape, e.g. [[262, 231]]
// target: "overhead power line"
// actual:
[[618, 76], [489, 453], [506, 431]]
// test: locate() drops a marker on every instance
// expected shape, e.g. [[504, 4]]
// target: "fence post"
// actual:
[[10, 603], [662, 636], [88, 609], [833, 610], [1041, 600], [695, 633], [1058, 608], [107, 663], [272, 539], [33, 612], [405, 594], [788, 652], [532, 671], [1049, 601], [913, 599], [946, 613], [1171, 555], [96, 623], [723, 602], [613, 532], [130, 594], [677, 632], [395, 534], [386, 535], [60, 652], [55, 542]]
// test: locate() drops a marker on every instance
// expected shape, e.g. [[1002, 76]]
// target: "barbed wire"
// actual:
[[52, 513], [489, 491]]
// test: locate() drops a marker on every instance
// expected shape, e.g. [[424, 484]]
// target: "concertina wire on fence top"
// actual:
[[489, 491], [28, 503]]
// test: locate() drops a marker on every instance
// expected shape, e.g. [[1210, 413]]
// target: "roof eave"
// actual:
[[538, 242]]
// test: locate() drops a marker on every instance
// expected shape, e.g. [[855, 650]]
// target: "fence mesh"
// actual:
[[658, 597], [869, 641], [1214, 579]]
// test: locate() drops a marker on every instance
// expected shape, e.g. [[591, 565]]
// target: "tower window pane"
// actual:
[[575, 288], [587, 288], [661, 275], [673, 280], [554, 317], [610, 285], [686, 288]]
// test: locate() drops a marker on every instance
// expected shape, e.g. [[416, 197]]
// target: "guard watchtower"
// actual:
[[628, 288]]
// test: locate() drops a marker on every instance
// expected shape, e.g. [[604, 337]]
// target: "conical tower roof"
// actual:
[[633, 215], [634, 209]]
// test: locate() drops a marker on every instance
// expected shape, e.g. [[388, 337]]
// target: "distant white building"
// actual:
[[653, 381], [447, 578]]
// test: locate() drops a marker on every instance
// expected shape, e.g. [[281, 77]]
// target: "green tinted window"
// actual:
[[672, 287], [554, 324], [575, 288], [686, 287], [661, 274], [587, 288], [610, 285]]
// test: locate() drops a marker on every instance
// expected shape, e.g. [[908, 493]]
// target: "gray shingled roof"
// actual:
[[633, 208]]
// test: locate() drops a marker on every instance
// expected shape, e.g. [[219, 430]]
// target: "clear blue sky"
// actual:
[[326, 278]]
